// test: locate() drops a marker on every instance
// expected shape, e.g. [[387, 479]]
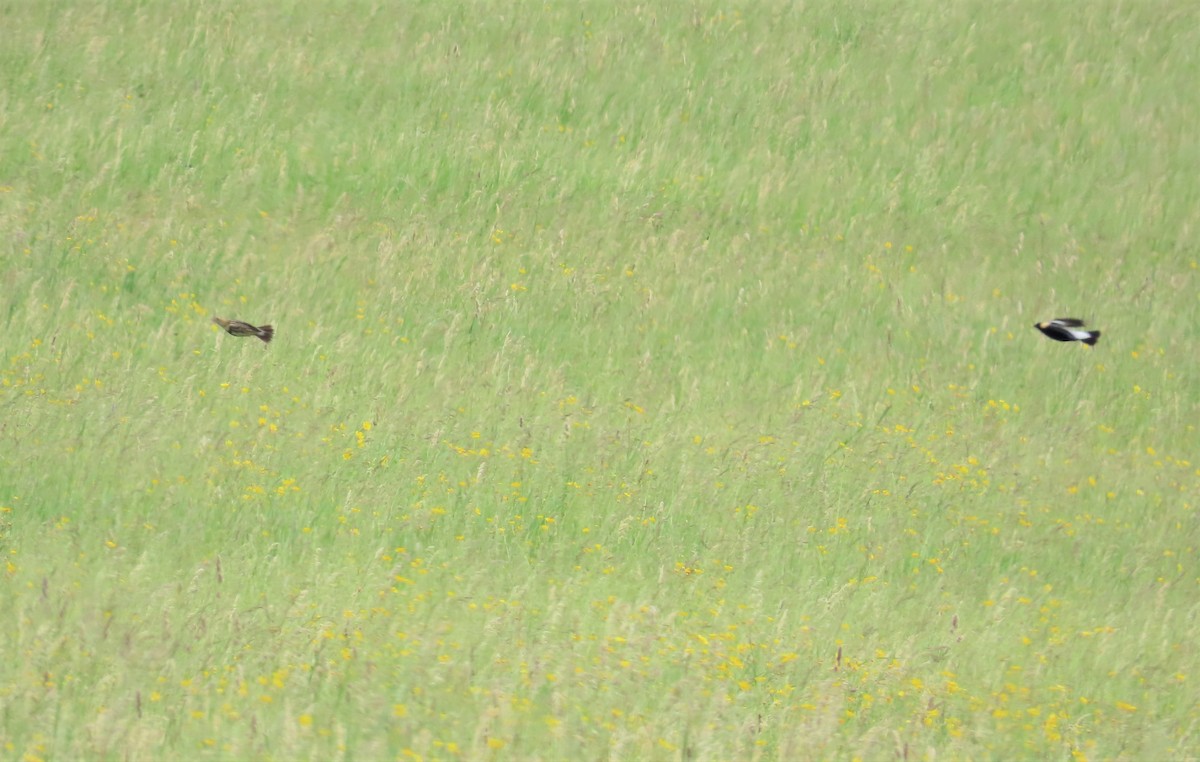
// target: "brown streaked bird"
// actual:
[[1068, 329], [238, 328]]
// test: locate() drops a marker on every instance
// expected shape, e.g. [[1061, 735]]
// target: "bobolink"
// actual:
[[238, 328], [1068, 329]]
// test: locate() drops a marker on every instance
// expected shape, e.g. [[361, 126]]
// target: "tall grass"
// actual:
[[649, 383]]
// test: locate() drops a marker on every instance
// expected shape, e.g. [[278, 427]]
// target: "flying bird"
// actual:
[[238, 328], [1068, 329]]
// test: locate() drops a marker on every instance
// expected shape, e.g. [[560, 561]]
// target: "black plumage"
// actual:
[[1068, 329]]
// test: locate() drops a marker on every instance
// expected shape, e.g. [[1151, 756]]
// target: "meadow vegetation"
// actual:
[[649, 383]]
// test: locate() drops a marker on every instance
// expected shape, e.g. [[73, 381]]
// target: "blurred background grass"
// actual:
[[647, 384]]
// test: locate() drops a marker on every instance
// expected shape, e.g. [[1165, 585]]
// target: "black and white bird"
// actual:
[[1068, 329]]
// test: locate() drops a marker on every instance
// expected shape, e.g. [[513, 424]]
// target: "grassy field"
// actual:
[[649, 384]]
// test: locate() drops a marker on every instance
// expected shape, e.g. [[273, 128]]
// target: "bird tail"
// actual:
[[1092, 338], [266, 333]]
